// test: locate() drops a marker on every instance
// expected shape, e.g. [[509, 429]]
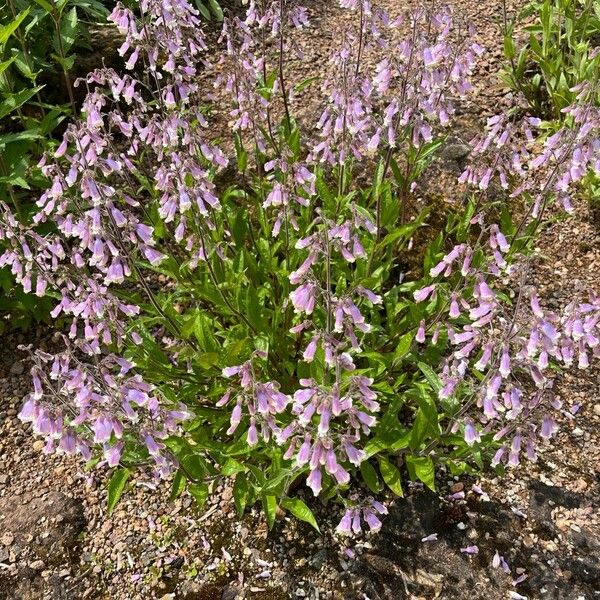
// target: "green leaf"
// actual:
[[294, 141], [4, 65], [178, 485], [425, 425], [193, 465], [369, 474], [61, 4], [375, 445], [404, 232], [216, 9], [276, 482], [68, 29], [240, 493], [19, 136], [232, 467], [269, 503], [116, 485], [66, 63], [300, 511], [391, 476], [7, 30], [200, 493], [253, 311], [241, 154], [203, 10], [14, 101], [431, 377], [422, 468], [45, 5], [299, 87], [403, 347], [323, 190]]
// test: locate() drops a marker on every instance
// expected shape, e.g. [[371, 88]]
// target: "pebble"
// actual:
[[17, 368], [528, 541]]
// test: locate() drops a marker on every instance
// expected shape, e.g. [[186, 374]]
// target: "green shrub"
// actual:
[[38, 45], [560, 51]]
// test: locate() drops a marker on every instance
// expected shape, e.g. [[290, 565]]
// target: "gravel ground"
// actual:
[[56, 540]]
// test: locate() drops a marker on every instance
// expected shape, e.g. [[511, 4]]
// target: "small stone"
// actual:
[[528, 541], [456, 151], [231, 592], [457, 487], [597, 409], [37, 565], [38, 445], [17, 368], [472, 534], [577, 432], [318, 560], [7, 539]]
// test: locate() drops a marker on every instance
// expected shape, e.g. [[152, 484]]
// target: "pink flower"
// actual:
[[314, 481], [304, 297], [423, 293], [471, 433]]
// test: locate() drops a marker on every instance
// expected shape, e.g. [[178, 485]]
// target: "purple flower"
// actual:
[[252, 437], [154, 256], [112, 454], [420, 336], [345, 525], [314, 481], [471, 433], [304, 297], [309, 352], [549, 427], [505, 362], [423, 293], [371, 519]]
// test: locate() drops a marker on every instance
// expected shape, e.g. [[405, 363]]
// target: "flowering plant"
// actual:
[[275, 330], [559, 51]]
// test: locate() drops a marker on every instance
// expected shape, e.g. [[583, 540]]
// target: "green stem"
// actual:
[[11, 191], [61, 51]]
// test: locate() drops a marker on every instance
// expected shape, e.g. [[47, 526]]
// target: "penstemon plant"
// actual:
[[271, 331]]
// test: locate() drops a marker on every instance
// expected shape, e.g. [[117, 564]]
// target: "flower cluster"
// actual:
[[529, 162], [320, 445], [288, 281], [367, 511], [103, 230], [262, 401], [74, 406], [410, 91]]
